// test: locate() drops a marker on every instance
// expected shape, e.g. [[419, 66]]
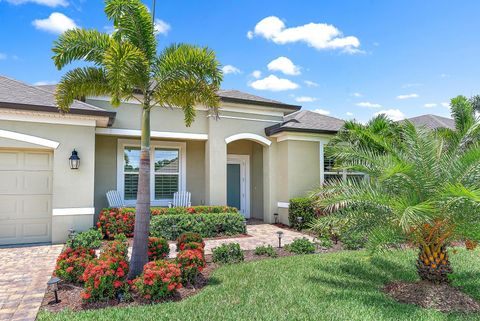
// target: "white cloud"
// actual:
[[357, 95], [161, 27], [256, 74], [49, 3], [321, 111], [444, 75], [349, 113], [305, 99], [284, 65], [445, 104], [273, 83], [412, 85], [3, 56], [56, 23], [229, 69], [310, 83], [320, 36], [393, 114], [368, 104], [407, 96], [45, 82], [430, 105]]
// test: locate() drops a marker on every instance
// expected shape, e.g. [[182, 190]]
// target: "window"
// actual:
[[329, 174], [167, 170]]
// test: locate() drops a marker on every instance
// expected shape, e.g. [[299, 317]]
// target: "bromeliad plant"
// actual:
[[420, 191]]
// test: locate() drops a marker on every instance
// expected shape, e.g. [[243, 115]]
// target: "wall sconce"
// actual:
[[74, 160]]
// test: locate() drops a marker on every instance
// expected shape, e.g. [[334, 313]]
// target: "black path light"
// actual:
[[53, 284], [245, 225], [300, 221], [74, 160], [275, 215], [279, 234]]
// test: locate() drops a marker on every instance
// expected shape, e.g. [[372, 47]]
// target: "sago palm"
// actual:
[[417, 192], [125, 65]]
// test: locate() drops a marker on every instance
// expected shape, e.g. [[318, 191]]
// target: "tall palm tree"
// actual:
[[418, 192], [125, 65]]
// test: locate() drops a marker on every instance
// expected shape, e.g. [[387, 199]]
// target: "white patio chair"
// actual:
[[114, 199], [181, 198]]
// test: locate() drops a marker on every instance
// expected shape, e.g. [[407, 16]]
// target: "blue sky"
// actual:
[[350, 59]]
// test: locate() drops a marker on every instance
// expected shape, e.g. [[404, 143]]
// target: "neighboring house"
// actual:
[[432, 121], [256, 156]]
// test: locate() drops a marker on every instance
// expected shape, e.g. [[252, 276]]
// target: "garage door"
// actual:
[[25, 196]]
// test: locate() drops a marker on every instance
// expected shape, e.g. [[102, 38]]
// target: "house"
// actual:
[[432, 121], [259, 154]]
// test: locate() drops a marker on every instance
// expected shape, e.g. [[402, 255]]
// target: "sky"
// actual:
[[347, 59]]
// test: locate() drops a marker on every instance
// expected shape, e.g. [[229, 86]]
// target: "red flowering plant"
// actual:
[[117, 248], [113, 221], [191, 264], [188, 237], [157, 248], [104, 278], [71, 263], [192, 246], [159, 279]]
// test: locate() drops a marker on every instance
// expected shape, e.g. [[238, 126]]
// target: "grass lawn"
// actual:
[[335, 286]]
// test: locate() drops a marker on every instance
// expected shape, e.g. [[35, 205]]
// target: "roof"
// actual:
[[237, 96], [306, 121], [18, 95], [432, 121]]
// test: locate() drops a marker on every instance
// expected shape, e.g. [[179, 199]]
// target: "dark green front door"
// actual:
[[234, 186]]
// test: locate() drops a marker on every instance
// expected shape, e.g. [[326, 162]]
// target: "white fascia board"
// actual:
[[29, 139], [154, 134]]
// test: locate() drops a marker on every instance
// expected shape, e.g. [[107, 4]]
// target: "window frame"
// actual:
[[342, 173], [182, 179]]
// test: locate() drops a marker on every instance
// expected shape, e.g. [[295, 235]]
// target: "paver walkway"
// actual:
[[24, 272]]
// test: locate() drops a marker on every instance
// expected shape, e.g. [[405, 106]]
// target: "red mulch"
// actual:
[[442, 297]]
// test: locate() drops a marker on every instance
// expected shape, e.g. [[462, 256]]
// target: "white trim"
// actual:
[[52, 118], [283, 204], [182, 184], [29, 139], [322, 163], [73, 211], [244, 161], [259, 139], [252, 119], [154, 134], [325, 138]]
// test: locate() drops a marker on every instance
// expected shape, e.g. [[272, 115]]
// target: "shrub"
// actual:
[[192, 246], [325, 242], [104, 278], [71, 263], [353, 240], [113, 221], [188, 237], [207, 225], [157, 248], [90, 239], [301, 207], [191, 263], [267, 250], [159, 279], [193, 210], [117, 248], [227, 253], [300, 246]]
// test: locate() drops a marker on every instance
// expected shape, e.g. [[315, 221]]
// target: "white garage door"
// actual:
[[25, 196]]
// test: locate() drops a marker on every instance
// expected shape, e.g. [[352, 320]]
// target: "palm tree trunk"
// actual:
[[433, 264], [142, 218]]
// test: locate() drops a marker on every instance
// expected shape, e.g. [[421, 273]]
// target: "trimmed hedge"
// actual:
[[301, 207], [207, 225]]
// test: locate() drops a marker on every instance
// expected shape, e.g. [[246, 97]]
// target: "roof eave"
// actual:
[[260, 103], [269, 131]]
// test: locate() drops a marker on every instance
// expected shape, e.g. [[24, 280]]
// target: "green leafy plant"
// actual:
[[267, 250], [188, 237], [158, 248], [227, 253], [300, 246], [301, 207], [324, 242], [90, 239], [191, 263]]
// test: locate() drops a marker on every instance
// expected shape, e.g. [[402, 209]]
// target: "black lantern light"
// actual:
[[300, 221], [275, 215], [279, 234], [74, 160], [53, 285], [245, 225]]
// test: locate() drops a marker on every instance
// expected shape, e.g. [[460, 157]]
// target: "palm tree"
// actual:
[[418, 192], [125, 65]]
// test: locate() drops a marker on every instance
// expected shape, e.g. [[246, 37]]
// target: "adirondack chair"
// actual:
[[181, 198], [114, 199]]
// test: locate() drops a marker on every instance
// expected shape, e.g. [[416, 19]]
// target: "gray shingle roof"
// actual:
[[306, 121], [432, 121], [18, 95], [239, 96]]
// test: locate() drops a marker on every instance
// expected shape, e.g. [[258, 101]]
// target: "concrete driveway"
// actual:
[[24, 272]]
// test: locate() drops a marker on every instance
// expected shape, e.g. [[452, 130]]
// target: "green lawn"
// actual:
[[337, 286]]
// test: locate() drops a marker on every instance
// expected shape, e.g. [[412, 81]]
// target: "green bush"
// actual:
[[353, 240], [267, 250], [90, 239], [325, 242], [300, 246], [207, 225], [227, 253], [189, 237], [301, 207]]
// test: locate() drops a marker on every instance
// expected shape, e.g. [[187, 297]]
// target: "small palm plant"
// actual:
[[417, 192], [125, 66]]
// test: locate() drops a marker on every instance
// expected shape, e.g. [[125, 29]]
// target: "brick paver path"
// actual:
[[24, 272]]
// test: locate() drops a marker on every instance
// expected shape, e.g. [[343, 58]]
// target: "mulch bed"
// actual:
[[441, 297]]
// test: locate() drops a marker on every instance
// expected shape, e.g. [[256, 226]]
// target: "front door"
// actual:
[[238, 185]]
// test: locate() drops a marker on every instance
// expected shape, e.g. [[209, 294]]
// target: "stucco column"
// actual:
[[215, 168], [269, 182]]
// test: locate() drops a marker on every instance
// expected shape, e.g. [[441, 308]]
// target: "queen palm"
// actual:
[[418, 192], [125, 65]]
